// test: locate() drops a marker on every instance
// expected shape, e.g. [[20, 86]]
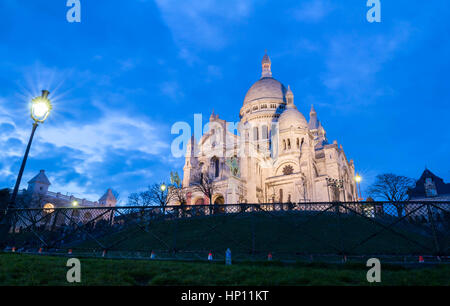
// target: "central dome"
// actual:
[[266, 88]]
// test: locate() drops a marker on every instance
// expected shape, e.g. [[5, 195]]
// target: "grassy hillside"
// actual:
[[22, 270], [285, 235]]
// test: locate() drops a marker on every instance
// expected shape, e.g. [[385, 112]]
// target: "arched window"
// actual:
[[215, 163], [298, 143], [49, 208], [289, 144], [265, 132], [284, 144], [255, 133]]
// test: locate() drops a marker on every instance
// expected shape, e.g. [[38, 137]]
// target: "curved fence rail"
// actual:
[[292, 231]]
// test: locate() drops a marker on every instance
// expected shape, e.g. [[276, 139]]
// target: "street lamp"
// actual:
[[163, 187], [40, 109], [358, 180], [75, 203]]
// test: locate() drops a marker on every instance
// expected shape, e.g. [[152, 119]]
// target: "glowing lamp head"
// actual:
[[358, 178], [41, 107], [163, 187], [75, 203]]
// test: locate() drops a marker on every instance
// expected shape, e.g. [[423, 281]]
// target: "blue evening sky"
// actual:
[[131, 69]]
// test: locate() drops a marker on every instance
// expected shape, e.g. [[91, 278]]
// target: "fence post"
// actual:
[[341, 241], [175, 230], [111, 217], [253, 234], [433, 227]]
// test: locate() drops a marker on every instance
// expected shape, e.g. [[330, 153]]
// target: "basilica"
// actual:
[[272, 155]]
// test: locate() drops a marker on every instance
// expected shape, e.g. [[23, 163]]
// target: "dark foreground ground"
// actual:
[[19, 269]]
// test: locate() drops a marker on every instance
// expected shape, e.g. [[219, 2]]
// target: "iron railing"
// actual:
[[290, 231]]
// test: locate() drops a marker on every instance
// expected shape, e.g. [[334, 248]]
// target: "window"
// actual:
[[217, 167], [298, 143], [49, 208], [284, 144], [215, 163], [289, 144], [265, 132], [255, 133]]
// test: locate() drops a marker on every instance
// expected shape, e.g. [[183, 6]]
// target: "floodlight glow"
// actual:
[[41, 107], [358, 178]]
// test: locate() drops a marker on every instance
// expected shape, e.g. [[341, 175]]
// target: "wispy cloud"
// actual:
[[313, 11], [203, 23], [353, 62], [171, 90], [84, 150]]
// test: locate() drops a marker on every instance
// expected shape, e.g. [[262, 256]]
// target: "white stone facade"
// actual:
[[278, 156]]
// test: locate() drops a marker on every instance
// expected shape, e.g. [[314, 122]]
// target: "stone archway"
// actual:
[[197, 209], [219, 207], [199, 201]]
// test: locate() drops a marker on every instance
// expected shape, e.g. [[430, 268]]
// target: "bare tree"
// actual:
[[160, 195], [178, 194], [393, 188], [204, 183], [140, 199]]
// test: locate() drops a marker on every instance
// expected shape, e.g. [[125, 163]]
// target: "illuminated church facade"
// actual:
[[273, 156]]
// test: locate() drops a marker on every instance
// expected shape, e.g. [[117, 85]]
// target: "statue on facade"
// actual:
[[233, 164]]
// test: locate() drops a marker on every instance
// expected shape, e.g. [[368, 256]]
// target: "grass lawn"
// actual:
[[286, 234], [20, 269]]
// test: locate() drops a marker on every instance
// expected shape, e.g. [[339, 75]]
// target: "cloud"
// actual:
[[313, 11], [82, 156], [171, 90], [353, 62], [203, 23]]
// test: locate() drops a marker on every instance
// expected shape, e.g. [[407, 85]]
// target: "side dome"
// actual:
[[266, 89], [291, 117]]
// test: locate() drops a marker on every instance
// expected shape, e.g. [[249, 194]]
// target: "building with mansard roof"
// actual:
[[273, 154], [430, 187]]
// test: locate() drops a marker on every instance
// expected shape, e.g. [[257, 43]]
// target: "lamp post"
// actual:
[[40, 109], [358, 180]]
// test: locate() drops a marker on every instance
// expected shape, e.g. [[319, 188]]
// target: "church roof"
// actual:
[[313, 122], [40, 178], [419, 189], [266, 88], [108, 196], [291, 115]]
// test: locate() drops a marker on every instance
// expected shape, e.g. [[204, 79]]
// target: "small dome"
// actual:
[[292, 117], [266, 88]]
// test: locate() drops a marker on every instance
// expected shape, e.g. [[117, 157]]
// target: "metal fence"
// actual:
[[292, 231]]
